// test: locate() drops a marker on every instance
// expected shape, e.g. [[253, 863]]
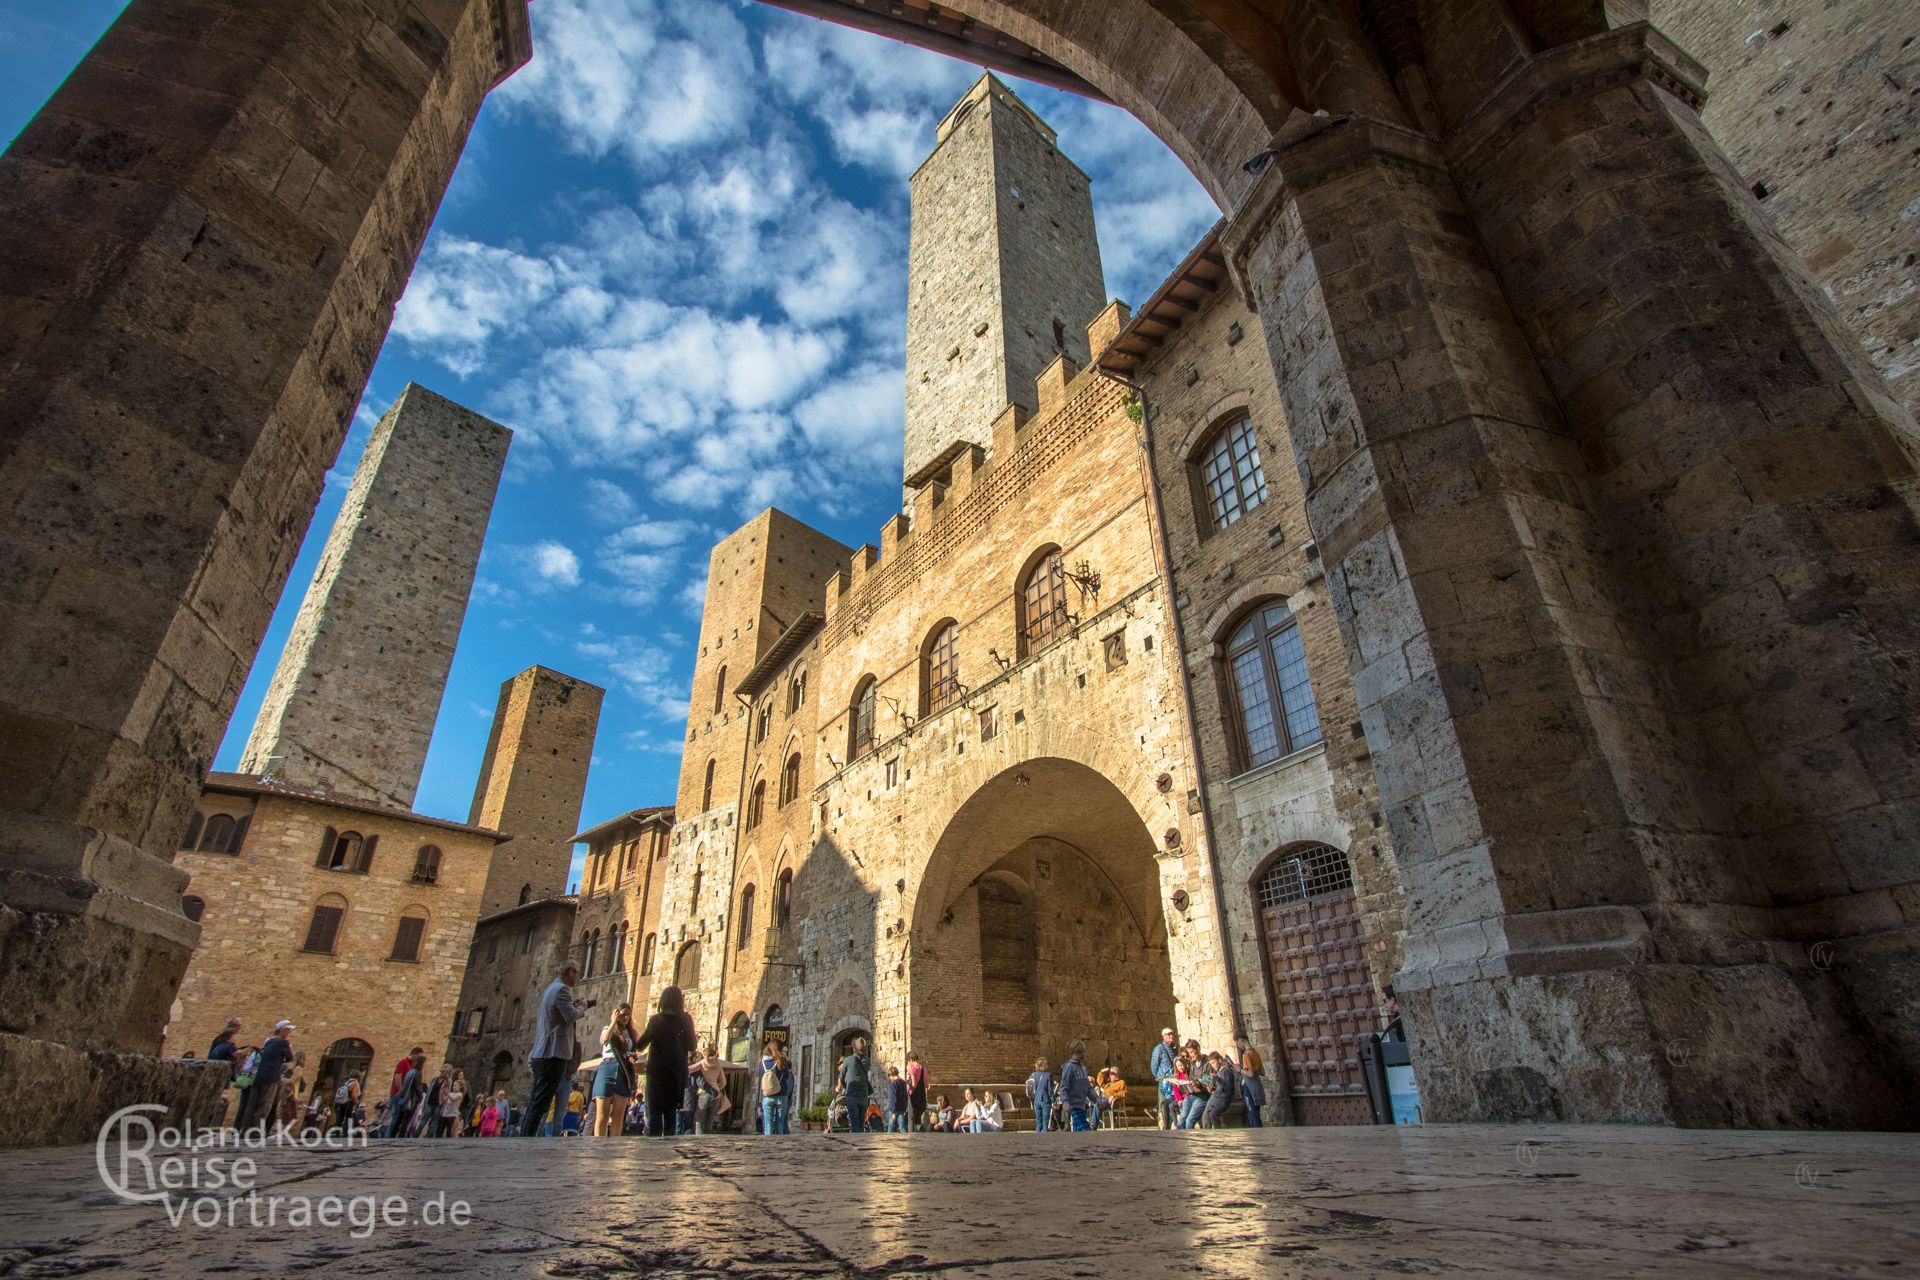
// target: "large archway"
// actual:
[[1038, 922]]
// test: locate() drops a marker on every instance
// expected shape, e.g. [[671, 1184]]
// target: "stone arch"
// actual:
[[1045, 883], [1211, 419], [1267, 586]]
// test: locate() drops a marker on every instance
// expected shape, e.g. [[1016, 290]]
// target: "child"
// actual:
[[898, 1100], [943, 1116]]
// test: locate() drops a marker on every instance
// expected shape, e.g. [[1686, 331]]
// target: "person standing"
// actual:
[[713, 1101], [223, 1046], [1253, 1084], [346, 1104], [406, 1099], [436, 1090], [613, 1082], [916, 1090], [899, 1099], [1165, 1062], [855, 1078], [504, 1106], [668, 1039], [1040, 1094], [271, 1065], [451, 1095], [555, 1046], [1223, 1089], [1076, 1088], [776, 1090]]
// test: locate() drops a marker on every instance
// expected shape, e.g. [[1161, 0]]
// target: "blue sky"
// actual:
[[673, 260]]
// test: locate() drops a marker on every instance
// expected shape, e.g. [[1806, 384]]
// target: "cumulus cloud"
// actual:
[[545, 565]]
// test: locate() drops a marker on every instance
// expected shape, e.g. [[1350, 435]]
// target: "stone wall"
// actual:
[[260, 901], [532, 781], [352, 705], [1819, 107], [1002, 251], [1212, 371], [513, 957]]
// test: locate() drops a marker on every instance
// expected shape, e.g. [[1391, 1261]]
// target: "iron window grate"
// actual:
[[1306, 873]]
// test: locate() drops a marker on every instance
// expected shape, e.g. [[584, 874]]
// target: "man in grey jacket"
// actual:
[[556, 1049]]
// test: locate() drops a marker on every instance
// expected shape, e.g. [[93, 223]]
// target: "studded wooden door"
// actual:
[[1322, 987]]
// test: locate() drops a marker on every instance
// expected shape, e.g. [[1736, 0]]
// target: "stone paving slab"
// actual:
[[1466, 1200]]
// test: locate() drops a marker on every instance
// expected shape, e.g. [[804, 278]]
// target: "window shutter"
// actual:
[[406, 942], [366, 853], [193, 831], [323, 930], [326, 848], [239, 835]]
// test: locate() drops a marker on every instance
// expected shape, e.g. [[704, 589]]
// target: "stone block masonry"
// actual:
[[353, 702], [532, 781], [1003, 270]]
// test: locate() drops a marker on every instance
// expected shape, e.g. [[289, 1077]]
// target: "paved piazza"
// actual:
[[1468, 1200]]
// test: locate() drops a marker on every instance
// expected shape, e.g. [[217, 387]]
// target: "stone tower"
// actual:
[[353, 702], [1003, 271], [532, 781]]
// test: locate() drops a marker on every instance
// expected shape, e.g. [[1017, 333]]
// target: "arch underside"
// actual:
[[1038, 922]]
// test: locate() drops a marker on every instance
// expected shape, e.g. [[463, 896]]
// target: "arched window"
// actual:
[[513, 1015], [1230, 477], [756, 804], [790, 780], [323, 928], [739, 1037], [222, 834], [587, 955], [346, 851], [706, 790], [1272, 696], [765, 720], [744, 933], [797, 693], [619, 961], [1043, 603], [646, 954], [214, 836], [526, 894], [193, 907], [720, 690], [860, 720], [407, 938], [699, 873], [940, 669], [426, 865], [686, 968], [783, 898], [193, 830]]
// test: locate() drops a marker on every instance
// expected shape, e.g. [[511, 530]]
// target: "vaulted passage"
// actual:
[[1038, 923]]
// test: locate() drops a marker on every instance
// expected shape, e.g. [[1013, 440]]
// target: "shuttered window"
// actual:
[[406, 941], [323, 931]]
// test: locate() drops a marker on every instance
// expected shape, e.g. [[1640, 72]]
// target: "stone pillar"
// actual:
[[1615, 526], [205, 232]]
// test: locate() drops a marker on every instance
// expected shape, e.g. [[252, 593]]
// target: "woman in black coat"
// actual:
[[668, 1041]]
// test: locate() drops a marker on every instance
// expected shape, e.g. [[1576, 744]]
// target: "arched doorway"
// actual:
[[1044, 885], [1321, 983], [345, 1057], [739, 1038], [502, 1073]]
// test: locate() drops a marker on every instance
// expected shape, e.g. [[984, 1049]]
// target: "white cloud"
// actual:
[[637, 77], [543, 566], [607, 502], [642, 669]]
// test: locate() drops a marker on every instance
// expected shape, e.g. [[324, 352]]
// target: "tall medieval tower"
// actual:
[[353, 702], [532, 782], [1003, 272]]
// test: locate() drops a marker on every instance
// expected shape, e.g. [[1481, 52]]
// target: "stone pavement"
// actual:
[[1466, 1200]]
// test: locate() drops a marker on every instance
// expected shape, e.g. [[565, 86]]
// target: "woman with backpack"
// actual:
[[776, 1089]]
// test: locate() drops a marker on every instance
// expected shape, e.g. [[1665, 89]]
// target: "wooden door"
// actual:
[[1322, 986]]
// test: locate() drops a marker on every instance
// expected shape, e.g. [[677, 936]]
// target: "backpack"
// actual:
[[343, 1095], [770, 1082]]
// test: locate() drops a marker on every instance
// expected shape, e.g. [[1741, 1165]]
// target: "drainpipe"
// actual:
[[1163, 560]]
